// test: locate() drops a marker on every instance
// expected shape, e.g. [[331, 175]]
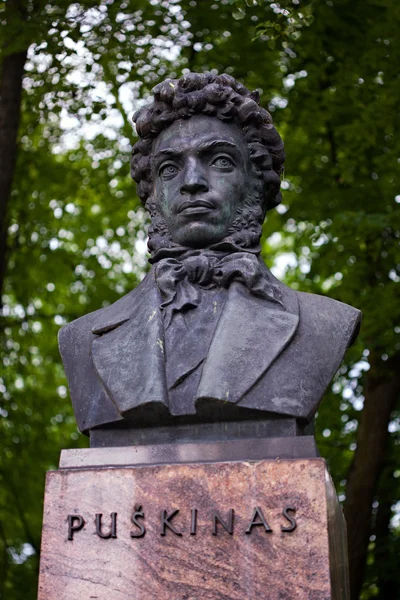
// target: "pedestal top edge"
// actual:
[[183, 453]]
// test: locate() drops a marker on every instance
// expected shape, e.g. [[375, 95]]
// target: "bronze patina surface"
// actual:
[[209, 335]]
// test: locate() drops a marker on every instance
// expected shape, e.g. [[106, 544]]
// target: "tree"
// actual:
[[70, 219]]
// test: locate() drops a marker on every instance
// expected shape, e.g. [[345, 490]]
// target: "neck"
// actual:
[[222, 248]]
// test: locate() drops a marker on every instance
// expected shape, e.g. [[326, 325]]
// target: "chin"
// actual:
[[198, 235]]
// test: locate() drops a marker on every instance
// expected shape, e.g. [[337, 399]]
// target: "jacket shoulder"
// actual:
[[104, 319], [297, 380], [79, 328], [332, 317], [91, 403]]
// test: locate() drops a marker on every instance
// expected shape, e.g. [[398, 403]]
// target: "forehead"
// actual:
[[187, 134]]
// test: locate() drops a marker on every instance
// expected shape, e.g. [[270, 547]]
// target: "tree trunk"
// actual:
[[12, 70], [382, 387], [385, 556]]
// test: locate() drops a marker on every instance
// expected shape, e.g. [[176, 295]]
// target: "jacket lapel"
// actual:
[[250, 335], [128, 350], [129, 353]]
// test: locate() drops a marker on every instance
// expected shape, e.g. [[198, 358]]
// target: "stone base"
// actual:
[[240, 530]]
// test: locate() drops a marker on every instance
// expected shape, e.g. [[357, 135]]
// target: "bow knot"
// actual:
[[179, 280], [199, 269]]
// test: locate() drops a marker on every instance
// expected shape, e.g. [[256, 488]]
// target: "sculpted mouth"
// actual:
[[196, 206]]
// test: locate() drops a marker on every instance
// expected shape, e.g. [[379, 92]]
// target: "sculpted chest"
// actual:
[[261, 356]]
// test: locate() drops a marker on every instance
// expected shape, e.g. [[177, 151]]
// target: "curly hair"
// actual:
[[224, 98]]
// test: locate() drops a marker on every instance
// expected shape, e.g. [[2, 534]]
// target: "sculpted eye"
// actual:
[[168, 170], [222, 162]]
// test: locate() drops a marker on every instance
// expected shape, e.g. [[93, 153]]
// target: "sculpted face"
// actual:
[[201, 174]]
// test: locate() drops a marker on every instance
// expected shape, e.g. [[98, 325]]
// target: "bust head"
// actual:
[[207, 163]]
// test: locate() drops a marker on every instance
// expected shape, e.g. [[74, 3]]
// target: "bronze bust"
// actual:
[[209, 334]]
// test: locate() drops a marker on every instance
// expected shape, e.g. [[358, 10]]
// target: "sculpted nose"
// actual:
[[194, 179]]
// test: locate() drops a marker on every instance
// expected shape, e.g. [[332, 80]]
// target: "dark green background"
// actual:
[[329, 72]]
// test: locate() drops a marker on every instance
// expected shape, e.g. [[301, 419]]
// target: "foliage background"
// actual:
[[72, 232]]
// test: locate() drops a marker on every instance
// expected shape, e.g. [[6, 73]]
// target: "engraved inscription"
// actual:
[[193, 523], [291, 519], [138, 514], [75, 523], [180, 524], [227, 525], [258, 518], [166, 522], [112, 533]]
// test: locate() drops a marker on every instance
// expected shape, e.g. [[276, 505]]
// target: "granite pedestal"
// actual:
[[226, 530]]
